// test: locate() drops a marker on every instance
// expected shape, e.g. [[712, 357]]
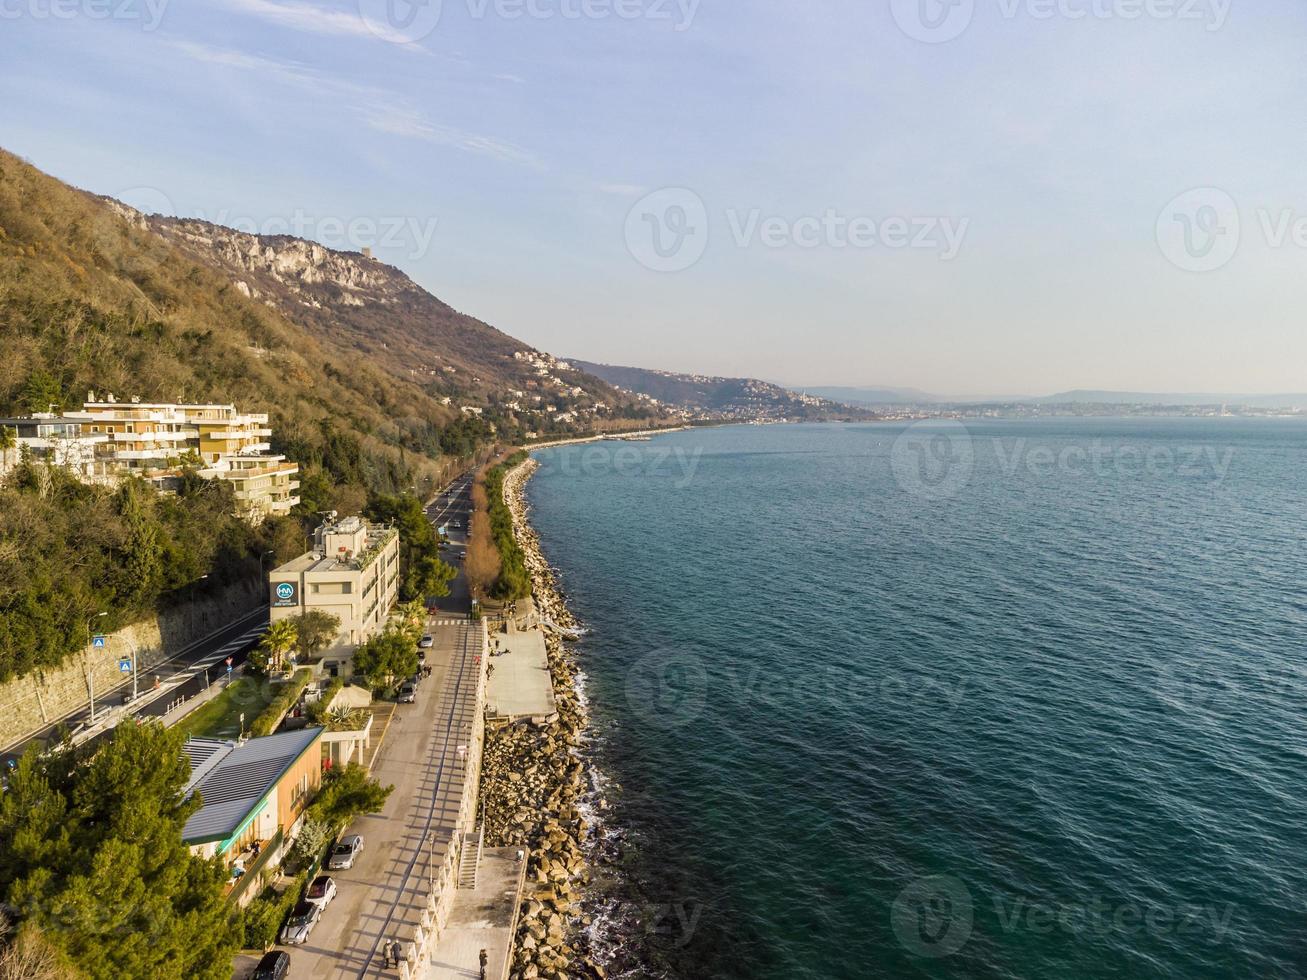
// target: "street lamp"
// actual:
[[90, 673]]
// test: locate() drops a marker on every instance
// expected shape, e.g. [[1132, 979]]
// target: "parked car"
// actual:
[[427, 642], [345, 853], [408, 694], [303, 917], [273, 966], [321, 892], [422, 656]]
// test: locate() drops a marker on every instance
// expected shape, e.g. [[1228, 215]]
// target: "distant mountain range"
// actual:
[[704, 396], [879, 397]]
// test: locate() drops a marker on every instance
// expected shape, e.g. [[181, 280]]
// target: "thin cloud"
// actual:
[[305, 17], [374, 107]]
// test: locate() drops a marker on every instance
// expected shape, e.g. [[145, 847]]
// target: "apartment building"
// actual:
[[352, 573], [57, 441], [155, 440]]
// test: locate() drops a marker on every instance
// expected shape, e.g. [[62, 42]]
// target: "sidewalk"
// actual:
[[482, 918]]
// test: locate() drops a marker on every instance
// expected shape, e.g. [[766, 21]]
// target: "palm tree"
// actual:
[[277, 642]]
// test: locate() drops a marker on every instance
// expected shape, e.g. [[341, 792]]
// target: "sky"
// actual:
[[972, 197]]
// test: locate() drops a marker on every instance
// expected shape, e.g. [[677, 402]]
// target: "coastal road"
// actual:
[[182, 675], [382, 897], [452, 510]]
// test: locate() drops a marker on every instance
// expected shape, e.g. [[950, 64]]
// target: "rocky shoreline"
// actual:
[[534, 790]]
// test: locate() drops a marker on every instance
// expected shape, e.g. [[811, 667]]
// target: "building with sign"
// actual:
[[351, 573]]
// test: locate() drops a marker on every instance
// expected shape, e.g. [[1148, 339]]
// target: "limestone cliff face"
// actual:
[[310, 273]]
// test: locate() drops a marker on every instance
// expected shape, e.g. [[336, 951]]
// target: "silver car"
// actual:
[[302, 919], [344, 854]]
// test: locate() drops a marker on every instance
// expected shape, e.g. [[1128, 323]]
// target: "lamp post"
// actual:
[[90, 672]]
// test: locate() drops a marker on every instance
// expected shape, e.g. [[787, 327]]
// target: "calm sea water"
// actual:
[[1024, 699]]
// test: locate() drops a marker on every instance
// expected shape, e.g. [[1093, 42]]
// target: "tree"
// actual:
[[386, 658], [310, 841], [425, 575], [28, 955], [347, 792], [314, 631], [8, 442], [269, 656], [91, 853]]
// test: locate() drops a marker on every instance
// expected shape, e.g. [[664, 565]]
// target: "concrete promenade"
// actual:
[[401, 887], [520, 685], [482, 918]]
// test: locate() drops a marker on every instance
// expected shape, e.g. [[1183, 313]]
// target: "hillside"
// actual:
[[701, 396], [366, 307], [93, 297]]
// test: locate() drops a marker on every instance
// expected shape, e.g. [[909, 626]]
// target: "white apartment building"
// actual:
[[58, 442], [155, 439]]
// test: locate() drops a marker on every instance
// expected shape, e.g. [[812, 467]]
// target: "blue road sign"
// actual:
[[97, 641], [125, 666]]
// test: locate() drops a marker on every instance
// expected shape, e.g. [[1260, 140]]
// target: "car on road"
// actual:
[[273, 966], [422, 656], [427, 642], [408, 694], [303, 917], [321, 892], [344, 854]]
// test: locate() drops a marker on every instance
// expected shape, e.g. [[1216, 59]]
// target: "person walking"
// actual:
[[483, 958]]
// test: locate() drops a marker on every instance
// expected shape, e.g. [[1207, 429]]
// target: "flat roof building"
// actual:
[[352, 573], [253, 796]]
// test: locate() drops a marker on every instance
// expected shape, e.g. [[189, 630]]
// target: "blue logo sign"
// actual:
[[125, 666], [97, 641], [285, 594]]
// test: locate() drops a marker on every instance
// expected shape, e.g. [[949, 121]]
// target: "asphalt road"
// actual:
[[183, 675], [452, 510]]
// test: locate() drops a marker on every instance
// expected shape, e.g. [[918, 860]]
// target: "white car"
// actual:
[[344, 854], [321, 892], [427, 642]]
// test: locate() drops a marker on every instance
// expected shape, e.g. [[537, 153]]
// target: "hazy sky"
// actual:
[[967, 196]]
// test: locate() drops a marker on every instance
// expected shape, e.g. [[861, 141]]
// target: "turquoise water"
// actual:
[[1024, 699]]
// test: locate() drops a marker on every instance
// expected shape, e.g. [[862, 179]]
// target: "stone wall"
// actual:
[[30, 704]]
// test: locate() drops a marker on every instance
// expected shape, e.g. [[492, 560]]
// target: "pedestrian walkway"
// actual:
[[483, 918], [428, 757], [520, 685]]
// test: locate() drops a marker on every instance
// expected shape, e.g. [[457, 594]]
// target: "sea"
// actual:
[[980, 699]]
